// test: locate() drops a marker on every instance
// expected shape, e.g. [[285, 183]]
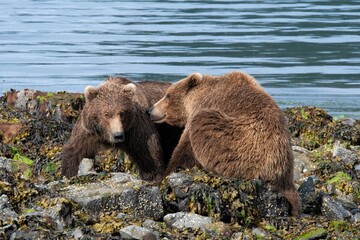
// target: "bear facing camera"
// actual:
[[115, 115]]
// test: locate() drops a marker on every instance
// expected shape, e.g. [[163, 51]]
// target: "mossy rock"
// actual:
[[313, 127], [319, 233]]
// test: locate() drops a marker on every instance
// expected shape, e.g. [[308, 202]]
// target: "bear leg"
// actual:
[[287, 188], [144, 149], [183, 155], [80, 145]]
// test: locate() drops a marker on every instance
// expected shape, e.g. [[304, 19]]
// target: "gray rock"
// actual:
[[182, 220], [9, 228], [258, 233], [5, 163], [24, 99], [39, 217], [121, 192], [240, 236], [185, 190], [23, 234], [180, 183], [333, 209], [78, 234], [348, 157], [8, 216], [357, 170], [356, 218], [60, 213], [136, 232], [217, 230], [151, 224], [348, 121], [4, 201], [86, 167], [302, 163]]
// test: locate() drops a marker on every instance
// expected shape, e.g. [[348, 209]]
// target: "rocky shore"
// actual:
[[107, 200]]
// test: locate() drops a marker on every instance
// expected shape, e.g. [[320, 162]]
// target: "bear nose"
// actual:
[[118, 136], [149, 111]]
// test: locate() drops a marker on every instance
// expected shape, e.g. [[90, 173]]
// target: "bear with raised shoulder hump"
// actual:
[[114, 116], [232, 127]]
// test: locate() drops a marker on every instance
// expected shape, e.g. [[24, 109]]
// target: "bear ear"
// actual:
[[194, 80], [129, 88], [90, 93]]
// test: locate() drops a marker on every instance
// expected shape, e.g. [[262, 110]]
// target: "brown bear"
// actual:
[[115, 115], [232, 127]]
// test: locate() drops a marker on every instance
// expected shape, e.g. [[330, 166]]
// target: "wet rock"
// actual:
[[310, 199], [184, 194], [216, 230], [182, 220], [209, 195], [136, 232], [333, 209], [302, 163], [348, 157], [40, 218], [86, 167], [180, 182], [121, 192], [270, 203]]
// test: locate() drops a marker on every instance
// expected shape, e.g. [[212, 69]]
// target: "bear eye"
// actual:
[[167, 95], [107, 115]]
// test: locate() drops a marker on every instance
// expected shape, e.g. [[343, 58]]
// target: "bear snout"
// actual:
[[155, 115], [118, 136], [149, 111]]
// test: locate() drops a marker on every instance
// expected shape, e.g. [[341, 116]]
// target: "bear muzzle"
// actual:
[[118, 137], [154, 116]]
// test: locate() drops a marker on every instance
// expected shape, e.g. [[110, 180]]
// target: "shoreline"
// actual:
[[110, 201]]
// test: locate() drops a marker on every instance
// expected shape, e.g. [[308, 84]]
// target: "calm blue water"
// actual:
[[303, 52]]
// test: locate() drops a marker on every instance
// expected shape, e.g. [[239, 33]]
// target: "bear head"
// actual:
[[175, 107], [109, 108]]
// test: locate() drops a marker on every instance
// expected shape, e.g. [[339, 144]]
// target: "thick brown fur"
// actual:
[[232, 127], [118, 106]]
